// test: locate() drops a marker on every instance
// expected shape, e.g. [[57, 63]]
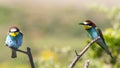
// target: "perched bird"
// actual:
[[14, 40], [94, 32]]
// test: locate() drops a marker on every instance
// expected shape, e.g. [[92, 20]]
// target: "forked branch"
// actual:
[[29, 55], [78, 55]]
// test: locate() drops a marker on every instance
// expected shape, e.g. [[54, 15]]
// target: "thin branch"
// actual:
[[20, 50], [30, 57], [76, 53], [82, 52], [87, 63]]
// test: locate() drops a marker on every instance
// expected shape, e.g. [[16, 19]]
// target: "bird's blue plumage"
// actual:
[[93, 33], [14, 42]]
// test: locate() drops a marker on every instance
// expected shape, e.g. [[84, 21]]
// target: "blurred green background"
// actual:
[[51, 30]]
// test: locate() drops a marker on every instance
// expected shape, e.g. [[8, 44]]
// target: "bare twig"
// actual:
[[82, 52], [87, 63], [20, 50], [76, 53], [29, 55]]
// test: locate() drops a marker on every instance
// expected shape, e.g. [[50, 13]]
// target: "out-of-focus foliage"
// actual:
[[47, 59], [112, 38]]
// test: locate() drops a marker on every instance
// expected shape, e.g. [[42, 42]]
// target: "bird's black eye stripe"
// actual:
[[88, 24], [13, 32], [16, 31]]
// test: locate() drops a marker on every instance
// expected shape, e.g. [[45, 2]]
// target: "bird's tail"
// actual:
[[106, 49], [13, 54], [109, 53]]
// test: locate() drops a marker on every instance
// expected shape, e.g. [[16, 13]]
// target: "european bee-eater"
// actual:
[[94, 32], [14, 39]]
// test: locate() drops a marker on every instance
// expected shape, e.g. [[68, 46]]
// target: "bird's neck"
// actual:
[[14, 36], [92, 32], [91, 29]]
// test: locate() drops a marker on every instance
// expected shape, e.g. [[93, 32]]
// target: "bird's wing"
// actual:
[[100, 33], [19, 40], [21, 34]]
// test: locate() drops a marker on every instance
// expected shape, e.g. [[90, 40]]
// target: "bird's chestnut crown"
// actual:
[[90, 23]]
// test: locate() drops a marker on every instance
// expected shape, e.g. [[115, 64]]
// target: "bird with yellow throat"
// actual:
[[14, 39]]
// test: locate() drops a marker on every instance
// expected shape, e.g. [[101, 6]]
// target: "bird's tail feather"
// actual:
[[105, 48], [109, 53], [13, 54]]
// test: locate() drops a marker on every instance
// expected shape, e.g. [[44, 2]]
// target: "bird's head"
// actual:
[[88, 24], [13, 31]]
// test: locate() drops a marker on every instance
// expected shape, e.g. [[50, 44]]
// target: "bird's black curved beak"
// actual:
[[81, 24]]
